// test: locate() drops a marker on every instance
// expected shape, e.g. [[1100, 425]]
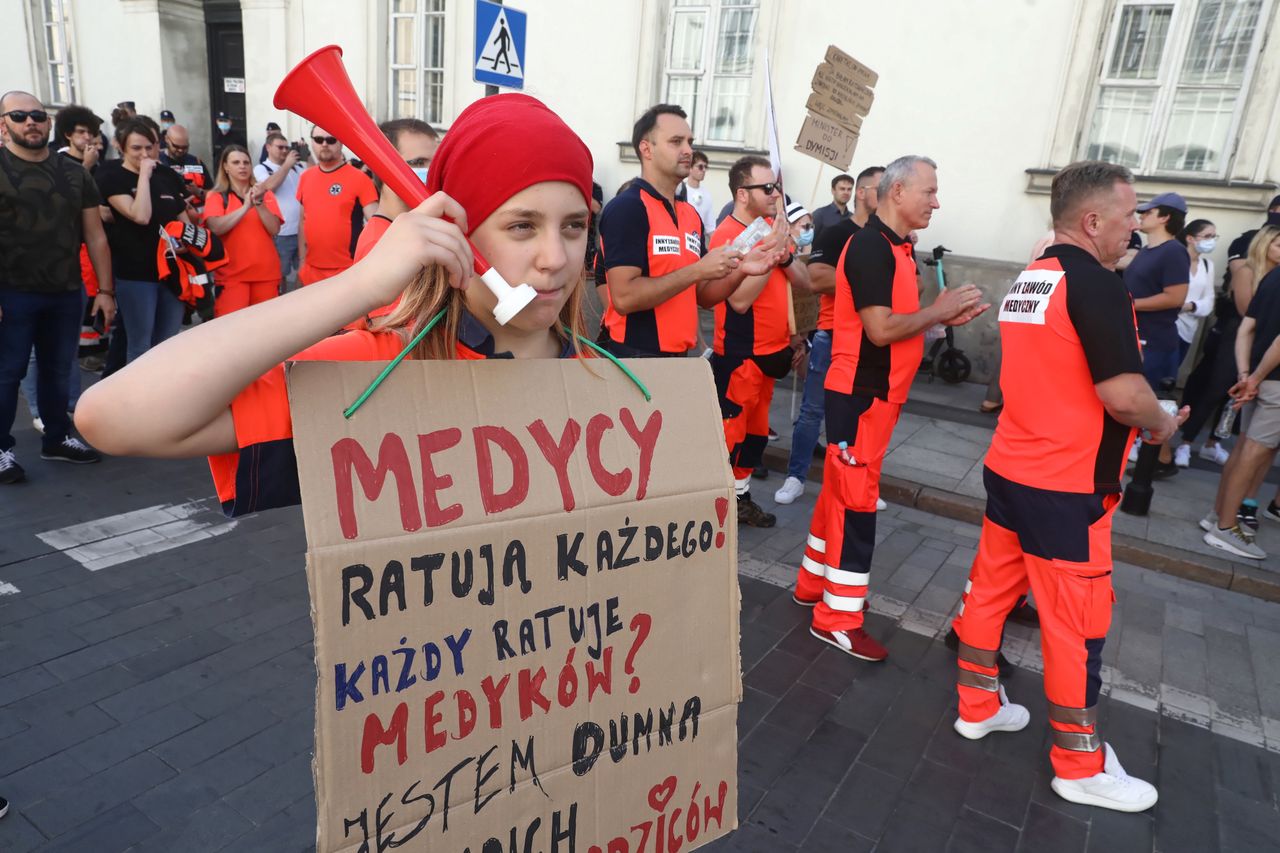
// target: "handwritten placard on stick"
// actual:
[[523, 584]]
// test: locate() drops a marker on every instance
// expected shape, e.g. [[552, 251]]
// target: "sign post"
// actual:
[[498, 58], [523, 581], [841, 97]]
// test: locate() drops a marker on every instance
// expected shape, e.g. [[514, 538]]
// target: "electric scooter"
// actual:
[[950, 364]]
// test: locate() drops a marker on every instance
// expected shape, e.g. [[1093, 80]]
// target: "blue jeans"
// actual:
[[804, 436], [73, 376], [152, 313], [1158, 364], [49, 322], [287, 249]]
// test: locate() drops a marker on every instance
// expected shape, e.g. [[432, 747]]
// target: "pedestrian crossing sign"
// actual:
[[499, 51]]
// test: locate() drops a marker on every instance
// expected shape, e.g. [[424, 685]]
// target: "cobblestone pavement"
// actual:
[[156, 690]]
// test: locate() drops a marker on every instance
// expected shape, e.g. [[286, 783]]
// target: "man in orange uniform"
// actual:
[[875, 353], [336, 199], [416, 142], [1053, 481], [752, 346], [656, 267]]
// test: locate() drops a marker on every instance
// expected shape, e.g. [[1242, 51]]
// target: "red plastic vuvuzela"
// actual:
[[319, 90]]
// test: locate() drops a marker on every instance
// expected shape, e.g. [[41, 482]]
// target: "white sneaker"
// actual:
[[881, 506], [1216, 454], [1182, 456], [1133, 451], [1234, 541], [38, 424], [1209, 522], [1010, 718], [792, 488], [1110, 789]]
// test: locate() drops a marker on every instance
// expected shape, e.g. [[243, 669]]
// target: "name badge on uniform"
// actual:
[[1028, 298], [693, 242], [665, 245]]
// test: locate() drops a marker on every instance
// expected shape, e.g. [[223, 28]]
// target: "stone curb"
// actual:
[[1191, 566]]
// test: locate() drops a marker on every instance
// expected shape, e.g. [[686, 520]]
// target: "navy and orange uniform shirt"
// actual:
[[876, 268], [828, 247], [640, 228], [1066, 324], [764, 328], [262, 473], [333, 214]]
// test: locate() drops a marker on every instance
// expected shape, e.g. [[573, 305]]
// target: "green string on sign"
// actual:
[[604, 352], [386, 371], [433, 322]]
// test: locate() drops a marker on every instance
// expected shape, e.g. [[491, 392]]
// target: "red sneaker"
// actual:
[[856, 642]]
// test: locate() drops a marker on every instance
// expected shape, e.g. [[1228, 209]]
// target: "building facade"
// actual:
[[1185, 92]]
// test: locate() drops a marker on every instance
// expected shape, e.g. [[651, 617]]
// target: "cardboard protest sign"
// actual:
[[523, 585], [807, 307], [838, 111], [854, 70], [830, 81], [826, 141]]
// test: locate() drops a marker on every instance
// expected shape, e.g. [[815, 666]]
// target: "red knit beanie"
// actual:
[[501, 145]]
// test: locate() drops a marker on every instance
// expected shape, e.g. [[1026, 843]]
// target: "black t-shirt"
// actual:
[[41, 222], [1153, 270], [1264, 308], [828, 245], [133, 246]]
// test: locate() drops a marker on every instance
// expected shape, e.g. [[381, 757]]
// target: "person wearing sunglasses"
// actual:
[[48, 207], [176, 154], [336, 199]]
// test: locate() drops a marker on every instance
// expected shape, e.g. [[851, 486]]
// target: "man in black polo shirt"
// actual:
[[651, 248], [48, 206]]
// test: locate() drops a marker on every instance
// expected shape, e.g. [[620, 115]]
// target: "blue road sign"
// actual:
[[499, 53]]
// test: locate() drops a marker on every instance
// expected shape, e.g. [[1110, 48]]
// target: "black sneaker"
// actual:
[[751, 514], [4, 807], [773, 434], [1247, 517], [10, 470], [1164, 470], [72, 450], [761, 473], [1272, 511], [952, 641]]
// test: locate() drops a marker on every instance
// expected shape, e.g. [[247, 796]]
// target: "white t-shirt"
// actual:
[[701, 201], [286, 195], [1199, 291]]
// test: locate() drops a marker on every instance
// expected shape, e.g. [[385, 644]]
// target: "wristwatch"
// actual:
[[791, 258]]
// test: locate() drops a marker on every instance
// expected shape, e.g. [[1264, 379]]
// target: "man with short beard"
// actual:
[[48, 206], [336, 199]]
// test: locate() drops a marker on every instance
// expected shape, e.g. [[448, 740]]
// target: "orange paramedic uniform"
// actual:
[[751, 350], [640, 228], [866, 387], [252, 271], [332, 217], [1053, 483]]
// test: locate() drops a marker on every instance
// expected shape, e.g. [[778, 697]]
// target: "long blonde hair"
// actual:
[[222, 184], [429, 292], [1257, 255]]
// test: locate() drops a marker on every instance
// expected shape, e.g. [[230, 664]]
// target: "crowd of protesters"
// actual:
[[136, 244]]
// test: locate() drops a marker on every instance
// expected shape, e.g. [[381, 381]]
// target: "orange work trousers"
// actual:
[[308, 274], [1059, 544], [836, 568], [744, 407], [241, 294]]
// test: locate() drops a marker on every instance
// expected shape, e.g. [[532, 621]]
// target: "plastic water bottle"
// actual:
[[1228, 419]]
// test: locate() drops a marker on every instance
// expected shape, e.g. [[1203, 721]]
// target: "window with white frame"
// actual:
[[709, 62], [1174, 79], [55, 72], [416, 36]]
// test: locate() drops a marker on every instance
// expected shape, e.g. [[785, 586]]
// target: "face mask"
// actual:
[[1205, 247], [421, 172], [805, 239], [165, 125], [224, 126]]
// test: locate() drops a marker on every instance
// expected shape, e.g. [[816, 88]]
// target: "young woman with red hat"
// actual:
[[510, 174]]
